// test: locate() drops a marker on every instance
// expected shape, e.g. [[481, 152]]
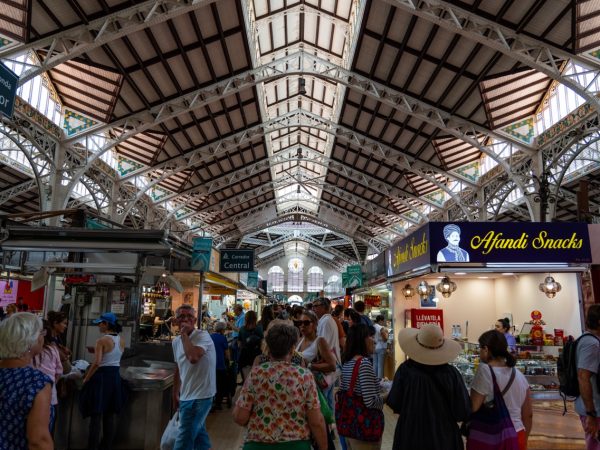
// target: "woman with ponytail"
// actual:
[[493, 351]]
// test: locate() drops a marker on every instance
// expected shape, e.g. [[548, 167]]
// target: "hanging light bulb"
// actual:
[[408, 291], [423, 289], [446, 287], [550, 287]]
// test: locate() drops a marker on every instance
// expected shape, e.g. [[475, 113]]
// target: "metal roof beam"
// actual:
[[300, 63], [14, 191], [309, 218], [368, 145], [392, 192], [533, 53], [73, 42], [311, 241]]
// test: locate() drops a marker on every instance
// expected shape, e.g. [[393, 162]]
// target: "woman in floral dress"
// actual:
[[279, 403]]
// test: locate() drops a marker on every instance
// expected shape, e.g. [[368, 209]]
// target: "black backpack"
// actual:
[[566, 367]]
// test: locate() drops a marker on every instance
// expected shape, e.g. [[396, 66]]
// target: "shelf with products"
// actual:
[[155, 299], [538, 366]]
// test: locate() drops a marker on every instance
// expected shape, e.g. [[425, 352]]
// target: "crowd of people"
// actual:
[[292, 360], [290, 363]]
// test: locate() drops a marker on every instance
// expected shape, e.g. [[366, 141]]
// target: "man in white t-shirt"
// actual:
[[587, 353], [327, 328], [194, 382]]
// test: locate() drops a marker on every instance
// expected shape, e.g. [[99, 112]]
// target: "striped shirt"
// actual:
[[366, 385]]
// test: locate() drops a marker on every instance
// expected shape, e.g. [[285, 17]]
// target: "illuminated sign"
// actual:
[[409, 253], [513, 242]]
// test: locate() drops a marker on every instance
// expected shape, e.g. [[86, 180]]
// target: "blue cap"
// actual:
[[107, 317]]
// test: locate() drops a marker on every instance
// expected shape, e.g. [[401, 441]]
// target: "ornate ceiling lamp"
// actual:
[[423, 289], [408, 291], [446, 287], [550, 287]]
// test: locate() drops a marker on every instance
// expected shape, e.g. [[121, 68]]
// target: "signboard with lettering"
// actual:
[[354, 276], [236, 261], [8, 90], [509, 242], [8, 292], [410, 253], [201, 251], [372, 300], [420, 317]]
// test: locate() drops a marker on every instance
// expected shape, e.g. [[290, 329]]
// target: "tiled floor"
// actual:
[[551, 430]]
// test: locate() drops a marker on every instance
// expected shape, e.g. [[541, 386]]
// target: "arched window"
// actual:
[[315, 279], [295, 299], [295, 275], [275, 279], [334, 286]]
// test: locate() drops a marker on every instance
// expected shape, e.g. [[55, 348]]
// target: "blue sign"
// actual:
[[8, 90], [236, 261], [252, 279], [201, 250], [409, 253], [509, 242]]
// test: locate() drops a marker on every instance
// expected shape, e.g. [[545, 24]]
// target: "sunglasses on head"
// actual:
[[299, 323]]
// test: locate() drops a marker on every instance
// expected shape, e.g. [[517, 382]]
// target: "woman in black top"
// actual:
[[428, 394]]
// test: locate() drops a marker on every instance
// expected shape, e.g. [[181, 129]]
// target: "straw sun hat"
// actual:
[[427, 345]]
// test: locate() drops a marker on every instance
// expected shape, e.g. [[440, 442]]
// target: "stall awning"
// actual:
[[219, 285]]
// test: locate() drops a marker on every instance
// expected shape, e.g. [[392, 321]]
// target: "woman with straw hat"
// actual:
[[428, 394]]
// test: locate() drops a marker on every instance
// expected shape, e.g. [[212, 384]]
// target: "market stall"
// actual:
[[377, 295], [467, 276]]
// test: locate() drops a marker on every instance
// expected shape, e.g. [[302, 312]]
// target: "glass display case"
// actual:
[[537, 363]]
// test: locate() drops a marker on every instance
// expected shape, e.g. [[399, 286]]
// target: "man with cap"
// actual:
[[452, 252], [428, 393], [222, 351], [194, 382]]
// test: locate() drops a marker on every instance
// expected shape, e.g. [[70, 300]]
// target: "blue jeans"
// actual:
[[192, 425], [379, 362]]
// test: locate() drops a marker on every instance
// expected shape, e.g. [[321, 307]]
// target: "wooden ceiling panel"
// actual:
[[588, 26]]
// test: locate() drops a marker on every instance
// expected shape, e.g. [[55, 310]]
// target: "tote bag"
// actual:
[[491, 427], [352, 418]]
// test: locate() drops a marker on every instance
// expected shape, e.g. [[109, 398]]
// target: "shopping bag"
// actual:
[[491, 427], [167, 442], [325, 409], [353, 418]]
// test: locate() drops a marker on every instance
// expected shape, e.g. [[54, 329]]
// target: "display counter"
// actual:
[[140, 424], [538, 365]]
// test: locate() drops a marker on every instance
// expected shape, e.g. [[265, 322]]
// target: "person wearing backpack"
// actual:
[[587, 352], [249, 340], [499, 368], [381, 337]]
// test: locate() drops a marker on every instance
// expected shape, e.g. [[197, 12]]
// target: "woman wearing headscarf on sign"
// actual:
[[428, 393], [452, 252]]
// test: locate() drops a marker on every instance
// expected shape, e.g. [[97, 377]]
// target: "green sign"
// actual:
[[345, 278], [8, 90], [252, 279], [354, 274], [201, 249]]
